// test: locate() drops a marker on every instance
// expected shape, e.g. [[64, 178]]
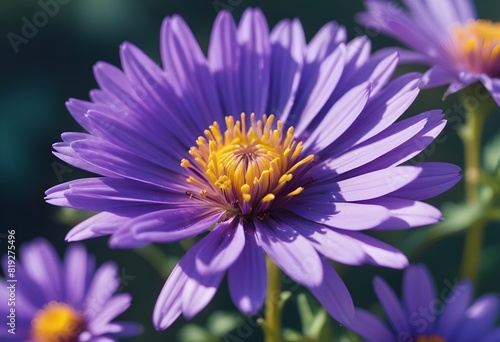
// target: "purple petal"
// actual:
[[371, 327], [113, 308], [332, 244], [378, 183], [78, 270], [98, 225], [380, 144], [406, 213], [224, 59], [171, 224], [123, 163], [325, 41], [437, 76], [130, 135], [316, 85], [168, 305], [381, 111], [101, 289], [409, 149], [42, 264], [341, 214], [457, 301], [288, 46], [340, 117], [334, 295], [187, 68], [493, 86], [380, 16], [255, 61], [479, 318], [419, 292], [493, 336], [290, 251], [379, 253], [221, 248], [434, 179], [198, 292], [377, 70], [247, 277], [392, 306]]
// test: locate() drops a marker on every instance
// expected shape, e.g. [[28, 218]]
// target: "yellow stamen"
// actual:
[[477, 45], [56, 322], [268, 198], [246, 165]]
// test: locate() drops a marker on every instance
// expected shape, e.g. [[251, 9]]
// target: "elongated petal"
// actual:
[[123, 163], [290, 251], [288, 47], [78, 270], [392, 306], [221, 248], [101, 289], [457, 301], [42, 265], [248, 276], [371, 327], [434, 179], [342, 214], [255, 61], [331, 243], [378, 183], [418, 292], [171, 224], [334, 295], [224, 59], [340, 116], [98, 225]]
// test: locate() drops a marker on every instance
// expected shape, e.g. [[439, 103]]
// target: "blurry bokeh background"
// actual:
[[56, 64]]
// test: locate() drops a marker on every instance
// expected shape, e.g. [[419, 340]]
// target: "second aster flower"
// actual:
[[425, 315], [271, 145], [445, 34]]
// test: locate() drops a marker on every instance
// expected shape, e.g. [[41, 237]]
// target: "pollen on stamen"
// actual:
[[248, 166], [476, 45]]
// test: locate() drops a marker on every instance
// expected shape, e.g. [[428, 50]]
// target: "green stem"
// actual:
[[272, 329], [471, 135]]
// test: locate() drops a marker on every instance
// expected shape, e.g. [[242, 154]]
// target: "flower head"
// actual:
[[68, 301], [427, 315], [446, 35], [271, 145]]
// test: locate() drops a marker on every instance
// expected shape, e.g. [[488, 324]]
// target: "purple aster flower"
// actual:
[[425, 315], [271, 145], [69, 301], [446, 35]]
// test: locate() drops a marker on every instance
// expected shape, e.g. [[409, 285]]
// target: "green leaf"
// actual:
[[491, 155], [220, 322], [194, 333], [314, 320]]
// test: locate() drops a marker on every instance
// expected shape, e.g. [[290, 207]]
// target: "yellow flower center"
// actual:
[[433, 338], [478, 46], [56, 322], [245, 169]]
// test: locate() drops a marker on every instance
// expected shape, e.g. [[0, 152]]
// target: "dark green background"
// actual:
[[57, 64]]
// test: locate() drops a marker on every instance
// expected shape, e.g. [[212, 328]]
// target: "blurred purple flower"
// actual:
[[446, 35], [69, 301], [300, 185], [424, 315]]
